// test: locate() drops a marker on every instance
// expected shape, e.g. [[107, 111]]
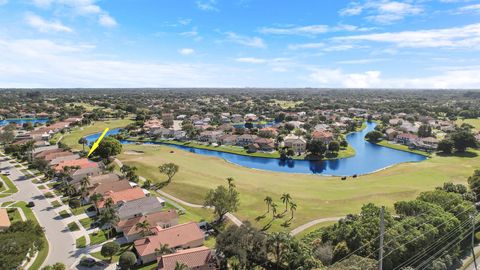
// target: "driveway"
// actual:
[[61, 242]]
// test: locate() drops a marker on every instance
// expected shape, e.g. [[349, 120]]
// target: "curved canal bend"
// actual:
[[368, 157]]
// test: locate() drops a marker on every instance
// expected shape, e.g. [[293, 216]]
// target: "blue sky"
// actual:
[[240, 43]]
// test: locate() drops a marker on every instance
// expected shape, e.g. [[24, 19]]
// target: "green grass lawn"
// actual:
[[402, 147], [72, 138], [80, 210], [316, 196], [98, 238], [123, 248], [87, 222], [14, 215], [474, 122], [64, 214], [11, 187], [72, 226], [81, 242], [56, 204], [48, 194]]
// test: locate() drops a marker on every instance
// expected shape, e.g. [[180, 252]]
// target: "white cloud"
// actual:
[[361, 61], [244, 40], [186, 51], [330, 77], [3, 2], [251, 60], [382, 11], [311, 30], [42, 25], [80, 8], [306, 46], [207, 5], [470, 8], [467, 36], [107, 21], [454, 78]]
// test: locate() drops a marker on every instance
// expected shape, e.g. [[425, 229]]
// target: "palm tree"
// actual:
[[108, 217], [95, 198], [144, 228], [84, 185], [293, 207], [180, 266], [68, 188], [83, 142], [164, 249], [109, 203], [274, 209], [268, 200], [286, 198]]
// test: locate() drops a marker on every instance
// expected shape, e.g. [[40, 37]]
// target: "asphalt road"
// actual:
[[61, 243]]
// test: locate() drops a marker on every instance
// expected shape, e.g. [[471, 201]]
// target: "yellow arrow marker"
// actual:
[[95, 144]]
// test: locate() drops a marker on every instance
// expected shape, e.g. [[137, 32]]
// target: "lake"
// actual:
[[21, 121], [368, 158]]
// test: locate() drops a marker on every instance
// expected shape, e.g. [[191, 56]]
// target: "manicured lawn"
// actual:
[[72, 138], [14, 215], [42, 187], [12, 188], [56, 204], [123, 248], [80, 210], [86, 222], [48, 195], [474, 122], [72, 226], [81, 242], [64, 214], [97, 238], [402, 148], [316, 196], [314, 228]]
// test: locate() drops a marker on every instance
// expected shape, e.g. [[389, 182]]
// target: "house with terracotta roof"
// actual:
[[121, 196], [104, 188], [246, 139], [4, 219], [80, 163], [406, 138], [201, 258], [163, 219], [183, 236], [323, 135]]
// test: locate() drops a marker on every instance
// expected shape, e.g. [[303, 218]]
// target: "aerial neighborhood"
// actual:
[[118, 208]]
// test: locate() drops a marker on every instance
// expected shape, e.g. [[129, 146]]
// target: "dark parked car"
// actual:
[[30, 204]]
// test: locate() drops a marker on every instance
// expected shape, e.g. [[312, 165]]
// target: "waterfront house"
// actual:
[[246, 139], [228, 139], [296, 143], [324, 136], [406, 138]]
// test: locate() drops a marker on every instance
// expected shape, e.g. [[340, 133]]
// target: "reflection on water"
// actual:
[[368, 158]]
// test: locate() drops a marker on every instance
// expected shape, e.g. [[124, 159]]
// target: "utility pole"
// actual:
[[473, 241], [382, 231]]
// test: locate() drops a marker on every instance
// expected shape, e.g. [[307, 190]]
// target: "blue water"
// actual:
[[93, 137], [368, 158], [21, 121]]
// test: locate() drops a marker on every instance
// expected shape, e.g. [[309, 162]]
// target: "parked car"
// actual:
[[30, 204], [6, 172]]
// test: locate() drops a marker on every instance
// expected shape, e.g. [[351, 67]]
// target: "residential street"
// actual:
[[61, 242]]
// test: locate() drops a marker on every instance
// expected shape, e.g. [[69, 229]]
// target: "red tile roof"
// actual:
[[174, 237], [129, 226], [83, 163], [193, 257], [122, 195]]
